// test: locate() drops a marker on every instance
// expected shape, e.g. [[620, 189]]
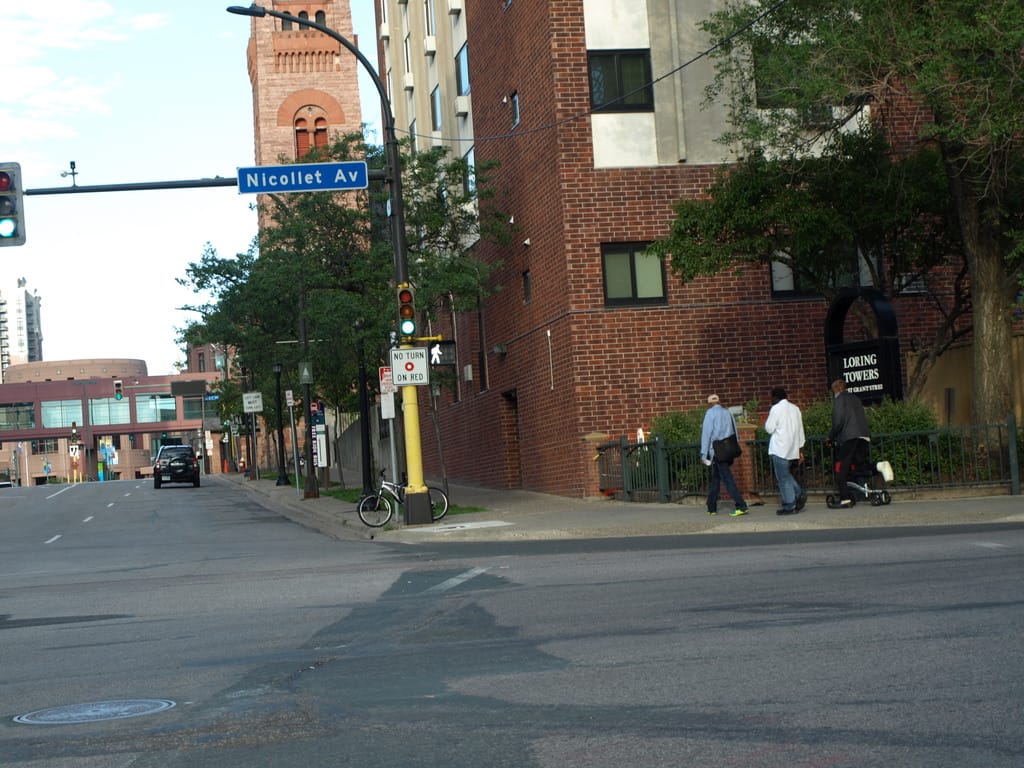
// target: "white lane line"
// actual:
[[87, 519], [448, 528], [454, 581], [110, 505], [50, 541], [58, 493], [991, 545]]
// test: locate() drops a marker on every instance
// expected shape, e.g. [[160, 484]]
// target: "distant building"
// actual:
[[80, 419], [21, 332]]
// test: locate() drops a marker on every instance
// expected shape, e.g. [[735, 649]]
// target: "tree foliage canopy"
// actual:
[[948, 74], [322, 271]]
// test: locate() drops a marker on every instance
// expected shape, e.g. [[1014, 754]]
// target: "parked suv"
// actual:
[[176, 464]]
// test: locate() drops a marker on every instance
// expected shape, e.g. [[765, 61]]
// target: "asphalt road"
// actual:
[[279, 646]]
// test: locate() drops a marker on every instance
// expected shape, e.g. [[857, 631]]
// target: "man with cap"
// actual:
[[785, 424], [718, 425]]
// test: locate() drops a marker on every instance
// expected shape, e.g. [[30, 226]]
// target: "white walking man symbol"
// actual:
[[435, 354]]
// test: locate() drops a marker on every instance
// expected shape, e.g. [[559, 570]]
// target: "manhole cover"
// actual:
[[94, 711]]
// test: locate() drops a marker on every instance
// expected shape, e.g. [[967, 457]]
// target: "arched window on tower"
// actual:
[[301, 138], [321, 18], [286, 24], [320, 133]]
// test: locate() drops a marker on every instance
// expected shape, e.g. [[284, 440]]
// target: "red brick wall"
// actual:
[[605, 371]]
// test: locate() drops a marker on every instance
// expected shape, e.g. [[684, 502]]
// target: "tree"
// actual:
[[795, 73], [323, 272], [851, 210]]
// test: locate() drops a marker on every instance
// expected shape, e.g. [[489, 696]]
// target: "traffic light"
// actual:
[[406, 313], [118, 389], [12, 216]]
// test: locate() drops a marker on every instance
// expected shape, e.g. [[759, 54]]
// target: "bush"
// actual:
[[679, 427]]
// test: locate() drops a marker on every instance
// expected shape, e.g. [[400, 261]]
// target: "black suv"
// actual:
[[176, 464]]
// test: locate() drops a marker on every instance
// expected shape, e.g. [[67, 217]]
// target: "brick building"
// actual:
[[590, 338]]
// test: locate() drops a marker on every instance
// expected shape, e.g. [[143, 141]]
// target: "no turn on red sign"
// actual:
[[409, 367]]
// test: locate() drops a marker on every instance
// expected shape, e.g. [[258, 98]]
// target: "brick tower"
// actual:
[[304, 83]]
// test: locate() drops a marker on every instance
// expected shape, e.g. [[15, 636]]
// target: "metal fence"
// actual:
[[970, 456]]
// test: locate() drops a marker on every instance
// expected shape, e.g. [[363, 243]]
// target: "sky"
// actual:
[[131, 91]]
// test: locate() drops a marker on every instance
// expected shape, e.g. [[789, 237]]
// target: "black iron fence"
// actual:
[[970, 456]]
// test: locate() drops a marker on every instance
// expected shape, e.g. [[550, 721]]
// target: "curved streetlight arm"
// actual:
[[394, 159]]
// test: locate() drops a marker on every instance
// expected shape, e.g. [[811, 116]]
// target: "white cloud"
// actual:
[[148, 21]]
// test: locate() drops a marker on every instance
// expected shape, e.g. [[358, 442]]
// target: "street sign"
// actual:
[[305, 373], [289, 398], [409, 367], [387, 384], [252, 402], [302, 177]]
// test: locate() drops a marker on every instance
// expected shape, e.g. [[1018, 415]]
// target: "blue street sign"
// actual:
[[302, 177]]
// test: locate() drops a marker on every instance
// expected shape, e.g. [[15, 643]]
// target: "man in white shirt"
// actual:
[[785, 424]]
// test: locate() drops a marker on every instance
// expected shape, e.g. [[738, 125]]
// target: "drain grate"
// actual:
[[94, 711]]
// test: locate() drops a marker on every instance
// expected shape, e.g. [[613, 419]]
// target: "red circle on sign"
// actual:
[[409, 366]]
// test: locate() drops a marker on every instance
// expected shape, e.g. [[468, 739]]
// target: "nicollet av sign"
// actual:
[[303, 177]]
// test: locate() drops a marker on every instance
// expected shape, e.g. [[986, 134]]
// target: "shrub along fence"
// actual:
[[962, 457]]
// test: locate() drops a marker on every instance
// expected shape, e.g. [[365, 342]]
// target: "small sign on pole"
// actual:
[[252, 402]]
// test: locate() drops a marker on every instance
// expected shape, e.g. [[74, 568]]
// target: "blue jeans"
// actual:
[[789, 490], [721, 472]]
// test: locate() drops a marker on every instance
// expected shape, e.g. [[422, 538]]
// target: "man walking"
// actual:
[[785, 424], [851, 435], [718, 425]]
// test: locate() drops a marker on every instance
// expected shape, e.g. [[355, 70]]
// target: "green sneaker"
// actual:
[[712, 512], [738, 513]]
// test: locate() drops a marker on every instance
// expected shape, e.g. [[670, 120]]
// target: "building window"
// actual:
[[790, 283], [412, 135], [301, 138], [60, 414], [470, 158], [320, 133], [435, 108], [45, 446], [620, 81], [632, 275], [107, 410], [527, 288], [154, 408], [321, 18], [193, 407], [428, 16], [514, 101], [201, 360], [462, 71], [17, 416], [286, 25]]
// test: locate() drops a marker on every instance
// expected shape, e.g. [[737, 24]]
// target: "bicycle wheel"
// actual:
[[374, 510], [438, 503]]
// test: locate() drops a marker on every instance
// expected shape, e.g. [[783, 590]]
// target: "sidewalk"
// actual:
[[522, 515]]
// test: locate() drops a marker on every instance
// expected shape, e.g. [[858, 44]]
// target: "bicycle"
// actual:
[[375, 509]]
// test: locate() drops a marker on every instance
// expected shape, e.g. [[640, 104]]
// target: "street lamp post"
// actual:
[[417, 498], [282, 475]]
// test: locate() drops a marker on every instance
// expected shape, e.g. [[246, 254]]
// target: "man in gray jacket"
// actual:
[[851, 436]]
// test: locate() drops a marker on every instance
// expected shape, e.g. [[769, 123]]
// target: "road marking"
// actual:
[[991, 545], [458, 527], [110, 505], [58, 493], [454, 581], [50, 541], [87, 519]]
